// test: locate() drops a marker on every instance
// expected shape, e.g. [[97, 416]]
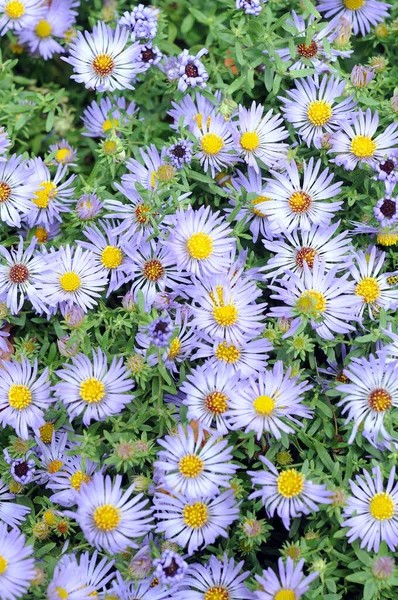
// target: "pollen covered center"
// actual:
[[249, 141], [15, 9], [195, 515], [200, 246], [311, 301], [103, 64], [300, 202], [308, 51], [285, 595], [153, 269], [264, 405], [111, 257], [43, 196], [19, 396], [92, 390], [109, 124], [254, 203], [107, 517], [226, 316], [363, 146], [70, 281], [382, 506], [217, 593], [54, 466], [191, 466], [305, 255], [380, 400], [353, 4], [63, 155], [290, 483], [319, 112], [369, 289], [228, 353], [43, 29], [212, 143], [5, 192], [77, 479], [18, 273], [216, 402], [3, 564], [174, 349]]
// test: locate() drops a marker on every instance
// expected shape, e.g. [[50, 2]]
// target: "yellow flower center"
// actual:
[[319, 112], [285, 595], [290, 483], [191, 466], [49, 517], [46, 433], [264, 405], [305, 254], [380, 400], [43, 196], [226, 316], [300, 202], [211, 143], [386, 238], [62, 593], [43, 29], [382, 506], [369, 289], [19, 396], [141, 213], [353, 4], [363, 146], [195, 515], [5, 192], [228, 353], [54, 466], [15, 9], [70, 281], [111, 257], [153, 270], [216, 403], [77, 479], [92, 390], [107, 517], [103, 64], [63, 155], [200, 246], [3, 564], [41, 235], [109, 147], [216, 593], [311, 301], [255, 202], [174, 349], [108, 124], [249, 141]]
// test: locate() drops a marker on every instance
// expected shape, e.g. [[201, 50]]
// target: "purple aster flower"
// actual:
[[88, 207], [170, 568], [191, 70], [361, 76], [22, 469], [160, 331], [65, 154], [386, 211], [362, 14], [251, 7], [142, 22], [111, 112], [290, 585], [387, 171], [150, 55], [180, 153]]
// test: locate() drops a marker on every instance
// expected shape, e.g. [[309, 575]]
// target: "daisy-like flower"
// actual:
[[11, 513], [224, 308], [386, 211], [372, 510], [19, 14], [65, 154], [193, 466], [301, 246], [91, 388], [216, 149], [19, 277], [111, 518], [88, 207], [207, 394], [94, 574], [312, 107], [170, 568], [74, 277], [17, 565], [288, 493], [260, 136], [317, 296], [194, 523], [315, 51], [269, 403], [52, 457], [15, 190], [69, 582], [67, 482], [216, 579], [290, 585], [371, 286], [252, 183], [370, 394], [147, 174], [140, 590], [152, 269], [104, 117], [387, 171], [180, 153], [50, 196], [196, 112], [251, 7], [356, 142], [199, 241], [362, 14], [107, 250], [191, 71], [297, 201], [149, 56], [23, 396], [142, 22], [102, 60]]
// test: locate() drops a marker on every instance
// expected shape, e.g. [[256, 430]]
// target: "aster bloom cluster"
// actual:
[[198, 300]]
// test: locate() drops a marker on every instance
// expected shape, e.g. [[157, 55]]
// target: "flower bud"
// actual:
[[378, 64], [383, 567], [361, 76], [67, 349], [382, 30], [343, 33]]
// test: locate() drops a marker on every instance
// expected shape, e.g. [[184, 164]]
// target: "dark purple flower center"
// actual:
[[21, 469], [191, 70], [387, 166], [178, 151], [161, 327], [172, 569], [308, 51], [388, 208], [147, 55]]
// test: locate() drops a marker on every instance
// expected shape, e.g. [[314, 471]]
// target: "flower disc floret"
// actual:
[[107, 517], [290, 483], [195, 515]]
